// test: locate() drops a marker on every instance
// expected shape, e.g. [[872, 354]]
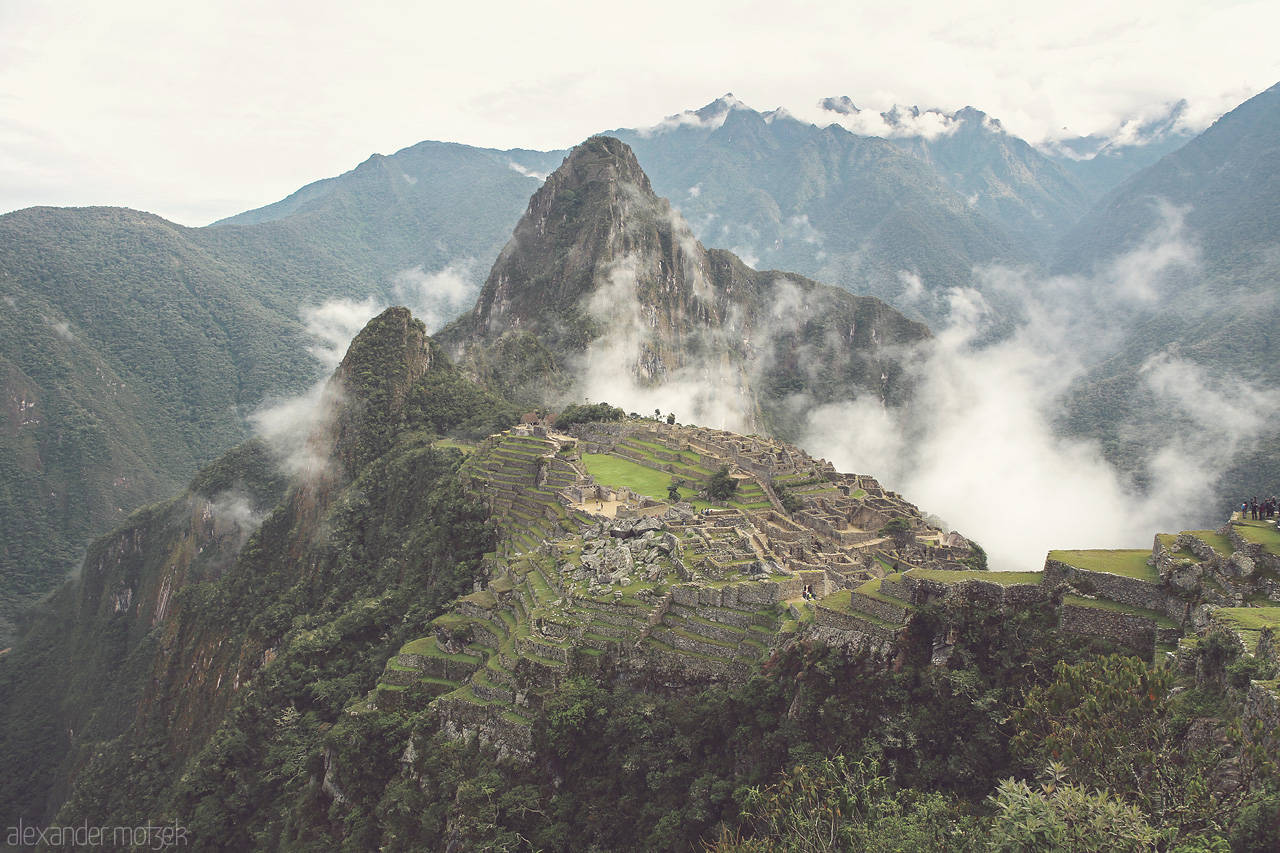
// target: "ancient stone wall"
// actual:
[[1131, 591], [460, 719], [920, 591], [885, 611], [1254, 552], [437, 667], [1261, 702], [840, 620], [1129, 629]]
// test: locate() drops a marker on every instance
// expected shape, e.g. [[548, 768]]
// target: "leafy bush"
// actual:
[[789, 502], [587, 413], [721, 486]]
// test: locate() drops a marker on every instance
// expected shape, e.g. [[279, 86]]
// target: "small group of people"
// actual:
[[1255, 510]]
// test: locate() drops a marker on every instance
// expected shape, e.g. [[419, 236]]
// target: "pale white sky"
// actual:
[[199, 109]]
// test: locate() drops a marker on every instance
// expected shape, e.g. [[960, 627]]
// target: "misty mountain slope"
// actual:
[[429, 205], [1028, 194], [146, 655], [1103, 162], [853, 211], [603, 292], [1227, 179], [144, 345], [129, 353], [1213, 207]]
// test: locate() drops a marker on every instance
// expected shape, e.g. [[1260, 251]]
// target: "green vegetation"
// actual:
[[586, 413], [899, 530], [721, 486], [1260, 533], [1129, 563], [789, 501], [447, 403]]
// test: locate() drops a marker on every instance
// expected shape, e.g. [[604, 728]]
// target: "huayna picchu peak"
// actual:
[[603, 292]]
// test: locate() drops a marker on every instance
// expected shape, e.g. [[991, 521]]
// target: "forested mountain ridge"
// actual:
[[1213, 208], [129, 353], [180, 606]]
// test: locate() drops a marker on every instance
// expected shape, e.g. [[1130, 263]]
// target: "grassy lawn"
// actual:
[[609, 470], [1248, 621], [454, 443], [838, 600], [1250, 618], [1129, 563], [1005, 578], [1155, 616], [615, 471], [1260, 533], [427, 647]]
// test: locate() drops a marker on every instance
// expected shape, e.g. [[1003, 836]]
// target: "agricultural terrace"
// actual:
[[1248, 622], [1259, 533], [1127, 563]]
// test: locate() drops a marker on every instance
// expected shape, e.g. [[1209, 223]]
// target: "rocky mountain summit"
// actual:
[[603, 292]]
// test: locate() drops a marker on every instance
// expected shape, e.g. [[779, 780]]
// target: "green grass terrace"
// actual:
[[1155, 616], [1259, 533], [1248, 622], [614, 471], [1127, 563]]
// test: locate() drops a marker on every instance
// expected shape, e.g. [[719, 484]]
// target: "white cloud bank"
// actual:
[[978, 444]]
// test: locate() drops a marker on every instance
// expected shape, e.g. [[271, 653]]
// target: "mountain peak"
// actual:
[[842, 105], [710, 117], [600, 160]]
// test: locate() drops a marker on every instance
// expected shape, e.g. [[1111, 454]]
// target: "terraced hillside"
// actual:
[[612, 556], [597, 565]]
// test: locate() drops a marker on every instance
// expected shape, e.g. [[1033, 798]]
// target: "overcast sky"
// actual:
[[197, 110]]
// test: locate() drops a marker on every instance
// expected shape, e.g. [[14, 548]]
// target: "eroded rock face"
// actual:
[[603, 291]]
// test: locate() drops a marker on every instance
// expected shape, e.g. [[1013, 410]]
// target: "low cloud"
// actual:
[[898, 121], [438, 297], [979, 444], [292, 426], [709, 117], [233, 511], [527, 172], [333, 325], [632, 368], [63, 330]]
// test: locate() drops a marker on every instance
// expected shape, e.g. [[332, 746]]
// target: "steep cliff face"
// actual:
[[604, 292]]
